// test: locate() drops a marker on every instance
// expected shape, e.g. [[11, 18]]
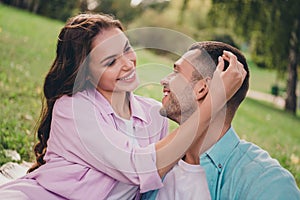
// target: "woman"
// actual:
[[96, 139]]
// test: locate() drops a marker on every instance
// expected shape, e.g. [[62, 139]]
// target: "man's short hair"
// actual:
[[214, 50]]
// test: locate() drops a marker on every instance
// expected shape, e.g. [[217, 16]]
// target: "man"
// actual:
[[235, 169]]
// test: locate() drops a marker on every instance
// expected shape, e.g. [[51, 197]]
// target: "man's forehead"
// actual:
[[191, 55]]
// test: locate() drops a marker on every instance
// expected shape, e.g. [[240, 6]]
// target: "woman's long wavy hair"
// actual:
[[73, 47]]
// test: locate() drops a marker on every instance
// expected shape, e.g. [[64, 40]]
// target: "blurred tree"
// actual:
[[158, 5], [83, 5], [182, 11], [121, 9], [126, 11], [57, 9], [224, 38], [272, 29], [24, 4]]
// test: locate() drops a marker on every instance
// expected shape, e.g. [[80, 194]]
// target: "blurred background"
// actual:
[[268, 32]]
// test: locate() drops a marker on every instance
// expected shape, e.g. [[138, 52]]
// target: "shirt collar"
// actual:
[[135, 105], [136, 108], [220, 151], [101, 101]]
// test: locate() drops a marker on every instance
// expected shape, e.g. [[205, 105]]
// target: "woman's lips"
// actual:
[[128, 77]]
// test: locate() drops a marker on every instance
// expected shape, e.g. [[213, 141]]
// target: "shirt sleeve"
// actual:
[[76, 126]]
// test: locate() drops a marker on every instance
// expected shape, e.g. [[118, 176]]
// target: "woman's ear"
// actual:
[[201, 88]]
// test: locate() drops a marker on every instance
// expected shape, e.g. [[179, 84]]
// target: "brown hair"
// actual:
[[73, 46], [214, 50]]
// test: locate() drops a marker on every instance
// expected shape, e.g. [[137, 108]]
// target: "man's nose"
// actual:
[[166, 80]]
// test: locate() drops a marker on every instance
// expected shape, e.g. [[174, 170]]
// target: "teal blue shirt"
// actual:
[[236, 169]]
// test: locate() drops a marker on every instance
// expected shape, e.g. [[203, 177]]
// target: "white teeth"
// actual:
[[128, 77], [166, 93]]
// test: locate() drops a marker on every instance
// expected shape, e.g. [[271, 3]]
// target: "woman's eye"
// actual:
[[111, 62]]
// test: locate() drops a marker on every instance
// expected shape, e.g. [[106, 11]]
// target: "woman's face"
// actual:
[[112, 66]]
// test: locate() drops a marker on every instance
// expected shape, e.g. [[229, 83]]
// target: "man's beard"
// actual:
[[180, 108]]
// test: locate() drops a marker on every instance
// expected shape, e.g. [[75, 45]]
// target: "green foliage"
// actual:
[[226, 38], [156, 5], [273, 32], [121, 9], [192, 20], [192, 25], [267, 25], [57, 9], [26, 52]]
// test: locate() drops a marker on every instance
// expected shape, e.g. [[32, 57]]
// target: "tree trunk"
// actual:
[[291, 100], [182, 11], [35, 6]]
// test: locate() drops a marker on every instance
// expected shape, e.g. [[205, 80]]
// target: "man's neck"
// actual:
[[192, 156]]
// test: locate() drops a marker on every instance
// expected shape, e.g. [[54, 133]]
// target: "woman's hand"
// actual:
[[229, 80]]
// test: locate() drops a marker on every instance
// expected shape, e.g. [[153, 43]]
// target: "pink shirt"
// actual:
[[87, 155]]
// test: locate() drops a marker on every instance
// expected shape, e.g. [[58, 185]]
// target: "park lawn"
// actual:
[[26, 52], [28, 48]]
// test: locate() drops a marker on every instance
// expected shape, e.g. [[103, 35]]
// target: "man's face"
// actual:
[[179, 101]]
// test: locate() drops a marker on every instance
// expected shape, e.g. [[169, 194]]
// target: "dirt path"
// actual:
[[277, 101]]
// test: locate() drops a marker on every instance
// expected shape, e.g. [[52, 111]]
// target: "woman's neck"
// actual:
[[119, 101]]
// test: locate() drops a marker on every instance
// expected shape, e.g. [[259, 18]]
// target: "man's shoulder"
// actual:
[[254, 159], [252, 171]]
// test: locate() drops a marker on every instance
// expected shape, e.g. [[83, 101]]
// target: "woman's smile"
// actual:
[[129, 77]]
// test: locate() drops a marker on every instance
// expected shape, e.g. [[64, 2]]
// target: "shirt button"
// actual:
[[220, 165]]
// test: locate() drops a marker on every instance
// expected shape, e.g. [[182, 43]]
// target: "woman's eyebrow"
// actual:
[[109, 57], [126, 44], [115, 55]]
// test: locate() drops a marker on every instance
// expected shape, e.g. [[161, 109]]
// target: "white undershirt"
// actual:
[[130, 131], [185, 181], [122, 190]]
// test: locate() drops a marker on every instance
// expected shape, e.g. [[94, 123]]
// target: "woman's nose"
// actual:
[[127, 63]]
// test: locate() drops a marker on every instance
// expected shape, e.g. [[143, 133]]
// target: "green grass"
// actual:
[[27, 50], [263, 79]]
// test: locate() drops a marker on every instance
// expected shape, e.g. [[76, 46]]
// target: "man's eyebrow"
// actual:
[[115, 55]]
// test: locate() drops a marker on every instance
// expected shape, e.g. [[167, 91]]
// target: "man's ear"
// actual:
[[201, 88]]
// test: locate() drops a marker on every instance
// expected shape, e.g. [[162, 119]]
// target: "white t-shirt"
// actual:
[[185, 181]]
